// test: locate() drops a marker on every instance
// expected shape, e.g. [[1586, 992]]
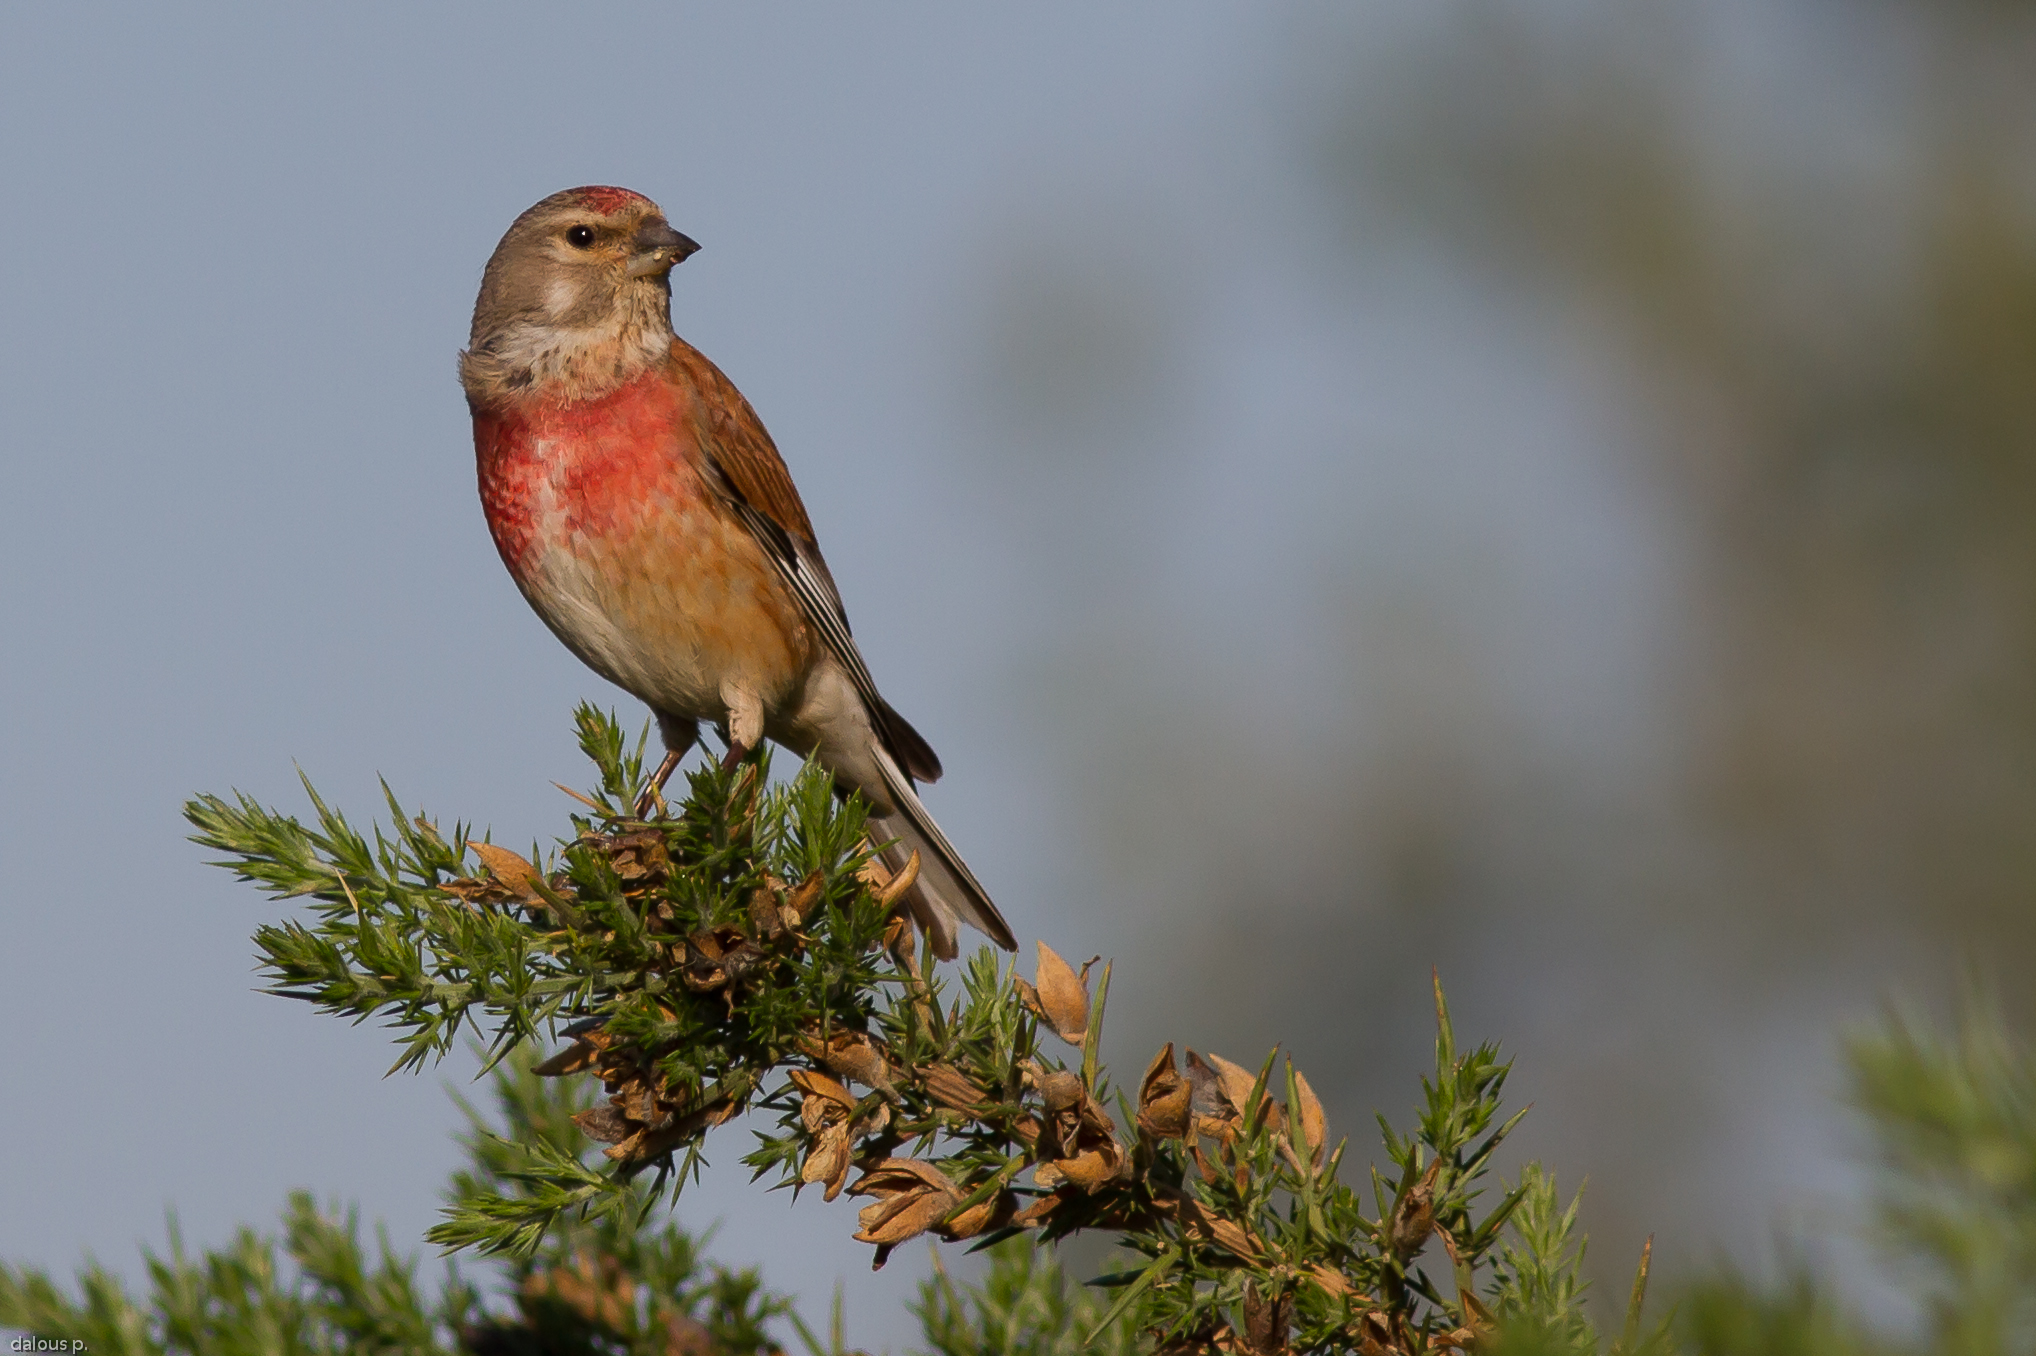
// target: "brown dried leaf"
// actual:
[[1063, 999], [600, 1293], [1332, 1282], [826, 1112], [1203, 1225], [913, 1196], [1092, 1169], [512, 869], [638, 859], [766, 911], [851, 1055], [816, 1084], [1266, 1321], [1077, 1142], [892, 1175], [717, 957], [1309, 1120], [1209, 1099], [687, 1336], [1414, 1216], [827, 1160], [901, 882], [1481, 1316], [1163, 1098], [1237, 1083], [1095, 1121], [906, 1218], [636, 1097], [1060, 1090], [1037, 1212], [901, 940], [951, 1088], [993, 1213], [605, 1123], [475, 890], [801, 901], [650, 1143], [575, 1057]]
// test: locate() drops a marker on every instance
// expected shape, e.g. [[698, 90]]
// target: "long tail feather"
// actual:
[[946, 890]]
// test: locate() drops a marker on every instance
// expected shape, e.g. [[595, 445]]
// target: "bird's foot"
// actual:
[[737, 751]]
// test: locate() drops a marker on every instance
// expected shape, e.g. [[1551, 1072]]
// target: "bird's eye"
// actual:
[[580, 237]]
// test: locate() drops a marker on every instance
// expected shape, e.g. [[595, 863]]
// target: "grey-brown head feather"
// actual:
[[562, 310]]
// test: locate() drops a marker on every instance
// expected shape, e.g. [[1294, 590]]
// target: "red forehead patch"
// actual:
[[605, 200]]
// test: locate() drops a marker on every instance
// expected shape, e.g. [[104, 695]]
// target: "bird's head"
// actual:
[[578, 282]]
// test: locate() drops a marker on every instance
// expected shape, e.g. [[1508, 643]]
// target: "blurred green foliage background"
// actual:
[[1679, 700]]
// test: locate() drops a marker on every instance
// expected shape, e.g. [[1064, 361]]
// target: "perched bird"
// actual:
[[647, 517]]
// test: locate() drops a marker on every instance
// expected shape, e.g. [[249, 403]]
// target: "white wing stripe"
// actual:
[[817, 599]]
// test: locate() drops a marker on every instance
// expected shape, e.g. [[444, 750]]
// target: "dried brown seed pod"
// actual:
[[1267, 1320], [1414, 1216], [802, 901], [1062, 999], [912, 1197], [900, 883], [511, 868], [1309, 1122], [851, 1055], [1163, 1098], [949, 1087]]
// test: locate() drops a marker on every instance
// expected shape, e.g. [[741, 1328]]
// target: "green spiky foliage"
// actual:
[[1025, 1305], [313, 1291], [740, 952], [596, 1287], [1538, 1287], [599, 1281], [400, 929], [1953, 1124]]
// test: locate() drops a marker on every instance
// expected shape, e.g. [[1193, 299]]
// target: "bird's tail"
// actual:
[[947, 892]]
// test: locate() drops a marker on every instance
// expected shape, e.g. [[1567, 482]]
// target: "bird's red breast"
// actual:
[[555, 471], [603, 515]]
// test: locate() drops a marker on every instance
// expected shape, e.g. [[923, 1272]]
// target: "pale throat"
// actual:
[[534, 357]]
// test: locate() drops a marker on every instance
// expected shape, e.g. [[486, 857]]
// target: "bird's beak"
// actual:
[[657, 248]]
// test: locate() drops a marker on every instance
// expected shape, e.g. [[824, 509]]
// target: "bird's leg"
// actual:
[[745, 723], [679, 734], [653, 790]]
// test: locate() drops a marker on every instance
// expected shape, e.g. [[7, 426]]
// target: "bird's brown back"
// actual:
[[739, 444]]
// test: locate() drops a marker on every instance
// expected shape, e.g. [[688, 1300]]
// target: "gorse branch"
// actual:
[[614, 1286], [742, 952]]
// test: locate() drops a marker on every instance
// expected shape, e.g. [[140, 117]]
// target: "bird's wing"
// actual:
[[753, 477]]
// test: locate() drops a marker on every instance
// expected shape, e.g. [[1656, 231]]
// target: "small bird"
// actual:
[[649, 520]]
